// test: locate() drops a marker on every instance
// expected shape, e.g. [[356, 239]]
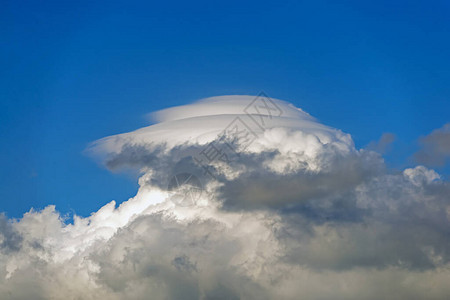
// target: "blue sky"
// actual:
[[75, 72]]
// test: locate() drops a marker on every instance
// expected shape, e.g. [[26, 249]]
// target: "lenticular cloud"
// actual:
[[240, 197]]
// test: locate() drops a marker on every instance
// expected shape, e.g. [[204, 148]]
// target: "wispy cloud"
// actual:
[[435, 147], [383, 144]]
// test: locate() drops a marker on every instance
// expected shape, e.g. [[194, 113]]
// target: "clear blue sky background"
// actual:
[[73, 72]]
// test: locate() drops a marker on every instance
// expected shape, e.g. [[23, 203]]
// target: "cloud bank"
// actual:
[[282, 207]]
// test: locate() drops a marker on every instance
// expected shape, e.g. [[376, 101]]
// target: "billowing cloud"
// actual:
[[435, 147], [240, 198]]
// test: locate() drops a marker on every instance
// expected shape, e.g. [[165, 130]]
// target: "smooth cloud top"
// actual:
[[255, 149], [228, 105], [286, 208], [203, 121]]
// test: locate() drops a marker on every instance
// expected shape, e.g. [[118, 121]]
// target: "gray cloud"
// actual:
[[10, 239], [297, 214], [435, 148], [383, 144]]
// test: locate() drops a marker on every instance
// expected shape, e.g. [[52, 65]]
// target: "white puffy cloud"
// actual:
[[291, 211]]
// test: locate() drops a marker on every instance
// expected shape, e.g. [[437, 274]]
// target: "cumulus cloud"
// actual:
[[435, 147], [277, 206]]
